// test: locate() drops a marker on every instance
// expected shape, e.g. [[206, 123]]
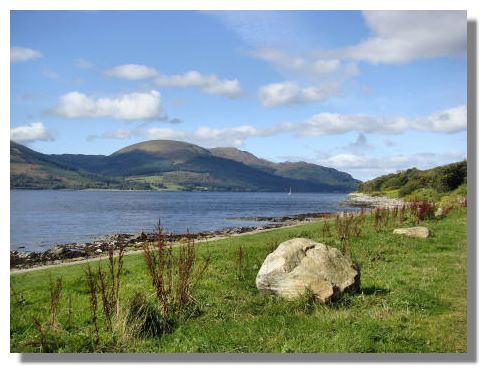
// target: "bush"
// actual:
[[424, 194], [461, 190], [173, 272], [143, 318]]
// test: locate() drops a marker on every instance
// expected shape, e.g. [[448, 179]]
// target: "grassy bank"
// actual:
[[413, 299]]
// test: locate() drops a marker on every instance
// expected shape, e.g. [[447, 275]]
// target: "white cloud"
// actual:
[[30, 133], [206, 136], [320, 78], [208, 83], [132, 72], [447, 121], [50, 74], [23, 54], [203, 136], [264, 28], [289, 93], [297, 65], [366, 167], [402, 36], [131, 106], [164, 133], [83, 64]]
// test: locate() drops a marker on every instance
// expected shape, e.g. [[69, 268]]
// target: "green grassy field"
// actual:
[[413, 298]]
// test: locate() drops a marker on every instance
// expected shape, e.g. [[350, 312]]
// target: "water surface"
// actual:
[[40, 219]]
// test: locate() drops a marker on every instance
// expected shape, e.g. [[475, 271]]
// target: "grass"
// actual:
[[413, 298]]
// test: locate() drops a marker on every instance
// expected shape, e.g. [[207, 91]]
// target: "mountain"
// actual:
[[242, 157], [172, 165], [33, 170]]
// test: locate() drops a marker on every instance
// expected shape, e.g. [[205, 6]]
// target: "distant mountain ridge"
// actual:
[[171, 165]]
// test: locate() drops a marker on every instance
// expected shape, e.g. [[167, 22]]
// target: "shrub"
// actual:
[[424, 194], [421, 210], [173, 273], [143, 318]]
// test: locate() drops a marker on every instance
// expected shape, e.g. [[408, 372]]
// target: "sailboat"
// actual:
[[290, 191]]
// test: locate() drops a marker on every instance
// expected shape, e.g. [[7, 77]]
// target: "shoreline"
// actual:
[[211, 236], [84, 251], [69, 253]]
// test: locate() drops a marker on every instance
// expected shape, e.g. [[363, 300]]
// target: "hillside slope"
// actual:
[[33, 170], [173, 165], [434, 181]]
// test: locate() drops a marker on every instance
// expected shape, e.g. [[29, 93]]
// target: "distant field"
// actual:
[[413, 298]]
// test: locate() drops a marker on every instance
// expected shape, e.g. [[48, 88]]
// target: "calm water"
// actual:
[[40, 219]]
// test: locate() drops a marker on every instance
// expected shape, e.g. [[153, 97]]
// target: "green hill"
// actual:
[[33, 170], [425, 183], [172, 165]]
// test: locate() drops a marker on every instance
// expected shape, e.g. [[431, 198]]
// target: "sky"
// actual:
[[367, 92]]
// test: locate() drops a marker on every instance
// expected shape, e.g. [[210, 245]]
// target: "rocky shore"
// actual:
[[366, 201], [81, 251]]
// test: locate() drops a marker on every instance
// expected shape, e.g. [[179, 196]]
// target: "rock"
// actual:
[[57, 250], [418, 232], [439, 212], [363, 200], [70, 253], [300, 264]]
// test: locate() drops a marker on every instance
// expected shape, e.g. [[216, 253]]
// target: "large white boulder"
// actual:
[[302, 264], [416, 232]]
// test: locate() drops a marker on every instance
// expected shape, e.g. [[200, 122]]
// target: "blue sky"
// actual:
[[364, 92]]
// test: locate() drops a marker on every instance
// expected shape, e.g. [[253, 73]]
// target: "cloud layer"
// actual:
[[447, 121], [210, 84], [290, 93], [403, 36], [366, 167], [23, 54], [320, 78], [132, 72], [131, 106], [30, 133]]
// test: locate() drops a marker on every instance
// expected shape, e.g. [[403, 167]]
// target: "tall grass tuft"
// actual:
[[18, 297], [240, 263], [326, 230], [143, 318], [91, 283], [343, 225], [108, 284], [402, 214], [55, 295], [272, 245], [48, 339], [358, 223], [174, 273]]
